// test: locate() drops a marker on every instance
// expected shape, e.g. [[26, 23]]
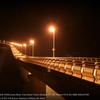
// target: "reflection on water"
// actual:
[[52, 95]]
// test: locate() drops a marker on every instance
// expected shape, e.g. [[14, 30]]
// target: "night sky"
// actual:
[[78, 26]]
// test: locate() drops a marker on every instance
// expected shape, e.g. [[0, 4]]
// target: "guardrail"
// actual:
[[87, 68]]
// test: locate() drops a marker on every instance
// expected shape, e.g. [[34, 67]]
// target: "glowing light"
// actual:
[[29, 73], [24, 45], [32, 41], [16, 44], [52, 29], [20, 45]]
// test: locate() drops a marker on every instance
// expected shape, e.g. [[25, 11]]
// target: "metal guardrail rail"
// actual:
[[87, 68]]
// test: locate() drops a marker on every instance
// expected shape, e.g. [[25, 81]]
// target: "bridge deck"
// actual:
[[86, 68]]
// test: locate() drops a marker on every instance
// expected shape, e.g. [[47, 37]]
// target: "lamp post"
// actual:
[[20, 45], [25, 47], [52, 30], [32, 43]]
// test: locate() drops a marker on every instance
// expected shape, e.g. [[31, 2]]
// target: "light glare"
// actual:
[[32, 41], [52, 29], [24, 45]]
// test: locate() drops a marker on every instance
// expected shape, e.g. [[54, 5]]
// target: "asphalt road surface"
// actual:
[[13, 78]]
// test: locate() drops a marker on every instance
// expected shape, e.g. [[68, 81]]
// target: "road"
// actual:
[[13, 77]]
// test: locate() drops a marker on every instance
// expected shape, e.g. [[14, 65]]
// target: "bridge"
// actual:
[[64, 74], [86, 68]]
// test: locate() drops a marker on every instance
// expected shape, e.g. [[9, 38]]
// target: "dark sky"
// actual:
[[77, 25]]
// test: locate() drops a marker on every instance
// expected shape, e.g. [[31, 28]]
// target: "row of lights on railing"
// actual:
[[25, 45], [94, 77]]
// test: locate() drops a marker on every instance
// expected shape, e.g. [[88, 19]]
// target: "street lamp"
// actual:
[[52, 30], [20, 45], [25, 47], [32, 43]]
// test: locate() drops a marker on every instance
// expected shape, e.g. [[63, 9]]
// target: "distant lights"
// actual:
[[24, 44], [31, 41], [17, 44], [29, 73]]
